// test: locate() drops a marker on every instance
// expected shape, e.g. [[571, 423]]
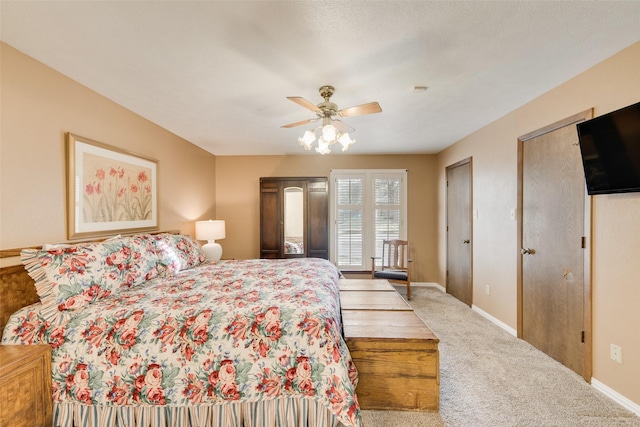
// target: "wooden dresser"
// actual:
[[25, 386]]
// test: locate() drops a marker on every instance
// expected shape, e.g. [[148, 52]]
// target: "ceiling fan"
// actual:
[[332, 130]]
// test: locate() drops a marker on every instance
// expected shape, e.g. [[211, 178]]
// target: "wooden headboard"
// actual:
[[17, 288]]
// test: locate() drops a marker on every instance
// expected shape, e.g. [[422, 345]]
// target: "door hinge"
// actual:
[[582, 337], [584, 242]]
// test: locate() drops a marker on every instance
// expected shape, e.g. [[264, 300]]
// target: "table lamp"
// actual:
[[211, 231]]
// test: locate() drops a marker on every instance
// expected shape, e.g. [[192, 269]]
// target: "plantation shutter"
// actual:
[[368, 206], [349, 222], [387, 209]]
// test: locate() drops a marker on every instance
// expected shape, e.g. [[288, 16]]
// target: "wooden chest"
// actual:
[[395, 352], [397, 359], [372, 300], [365, 285]]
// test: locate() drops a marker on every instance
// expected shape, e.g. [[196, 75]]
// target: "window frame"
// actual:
[[368, 239]]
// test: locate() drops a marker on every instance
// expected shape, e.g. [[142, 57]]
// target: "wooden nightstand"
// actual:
[[25, 385]]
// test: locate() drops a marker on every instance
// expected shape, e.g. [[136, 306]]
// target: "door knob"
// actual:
[[466, 242], [527, 251]]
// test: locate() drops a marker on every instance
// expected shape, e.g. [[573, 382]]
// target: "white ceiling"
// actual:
[[217, 73]]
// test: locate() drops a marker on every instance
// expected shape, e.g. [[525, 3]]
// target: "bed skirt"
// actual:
[[283, 412]]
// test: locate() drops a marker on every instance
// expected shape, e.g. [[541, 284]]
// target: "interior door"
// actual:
[[554, 291], [459, 243]]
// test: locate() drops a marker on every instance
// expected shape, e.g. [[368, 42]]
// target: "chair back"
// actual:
[[395, 254]]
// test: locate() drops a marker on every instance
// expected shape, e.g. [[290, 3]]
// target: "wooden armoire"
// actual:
[[294, 217]]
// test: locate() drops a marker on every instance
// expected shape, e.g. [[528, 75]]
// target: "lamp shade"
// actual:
[[211, 231]]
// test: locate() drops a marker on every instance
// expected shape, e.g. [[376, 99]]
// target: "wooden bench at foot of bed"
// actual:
[[395, 353]]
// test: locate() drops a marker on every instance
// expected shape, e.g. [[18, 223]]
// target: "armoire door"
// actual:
[[270, 223], [318, 218]]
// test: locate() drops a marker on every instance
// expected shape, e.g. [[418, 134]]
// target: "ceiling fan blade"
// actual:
[[359, 110], [303, 122], [303, 102], [342, 126]]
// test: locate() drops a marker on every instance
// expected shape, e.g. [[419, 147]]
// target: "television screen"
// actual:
[[610, 149]]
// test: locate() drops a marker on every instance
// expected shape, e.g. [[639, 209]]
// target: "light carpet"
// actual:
[[491, 378]]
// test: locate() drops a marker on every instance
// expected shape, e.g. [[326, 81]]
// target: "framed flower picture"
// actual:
[[109, 190]]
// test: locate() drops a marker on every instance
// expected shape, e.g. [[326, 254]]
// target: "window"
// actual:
[[368, 206]]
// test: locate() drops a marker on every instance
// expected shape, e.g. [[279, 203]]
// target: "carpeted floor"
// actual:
[[490, 378]]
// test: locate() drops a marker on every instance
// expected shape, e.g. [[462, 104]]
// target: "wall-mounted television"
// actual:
[[610, 149]]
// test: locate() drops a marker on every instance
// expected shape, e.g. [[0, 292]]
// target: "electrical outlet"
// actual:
[[616, 353], [487, 290]]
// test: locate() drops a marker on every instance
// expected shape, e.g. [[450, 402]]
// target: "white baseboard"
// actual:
[[498, 322], [615, 396]]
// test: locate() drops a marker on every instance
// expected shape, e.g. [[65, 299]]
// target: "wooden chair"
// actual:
[[395, 264]]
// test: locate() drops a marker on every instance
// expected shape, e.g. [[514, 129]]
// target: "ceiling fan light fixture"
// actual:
[[345, 140], [324, 146], [329, 132], [307, 139], [328, 135]]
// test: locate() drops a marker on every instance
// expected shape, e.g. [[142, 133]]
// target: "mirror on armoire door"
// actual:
[[294, 220]]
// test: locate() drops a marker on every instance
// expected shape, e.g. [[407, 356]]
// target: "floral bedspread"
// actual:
[[229, 331]]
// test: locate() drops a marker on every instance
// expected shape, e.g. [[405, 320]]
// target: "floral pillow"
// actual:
[[178, 252], [68, 278]]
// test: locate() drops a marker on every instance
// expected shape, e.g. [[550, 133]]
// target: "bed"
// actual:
[[144, 332]]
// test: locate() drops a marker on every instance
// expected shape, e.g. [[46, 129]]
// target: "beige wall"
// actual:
[[613, 84], [38, 106], [238, 202]]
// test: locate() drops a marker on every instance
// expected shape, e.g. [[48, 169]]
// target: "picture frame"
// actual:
[[109, 190]]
